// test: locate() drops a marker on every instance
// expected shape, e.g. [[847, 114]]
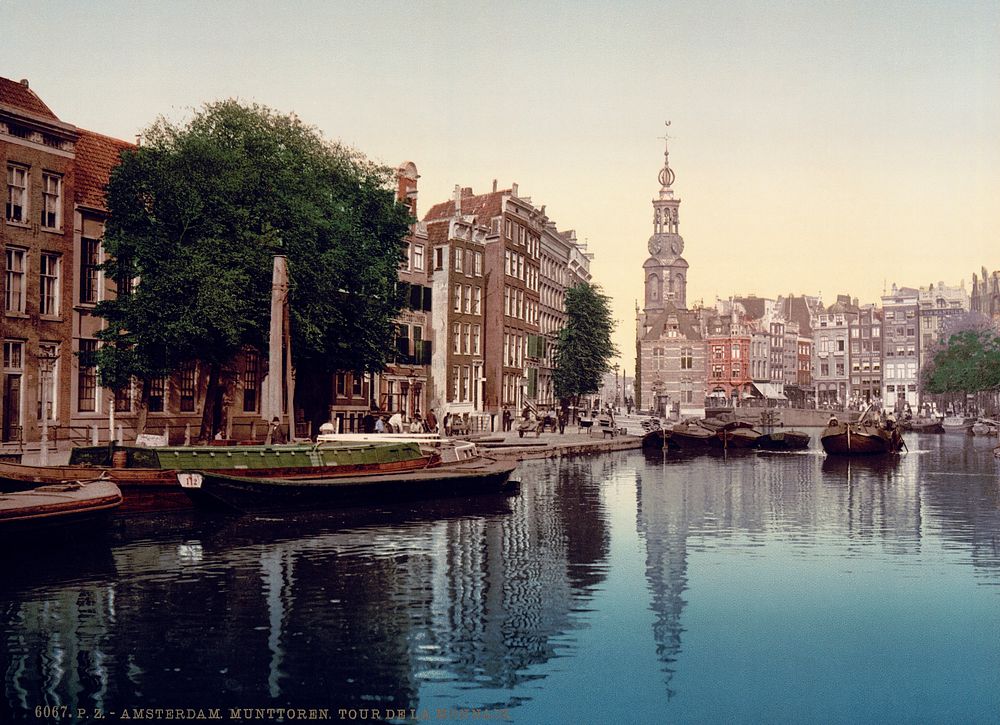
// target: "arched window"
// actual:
[[653, 286]]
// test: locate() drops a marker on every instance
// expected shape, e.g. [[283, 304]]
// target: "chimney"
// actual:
[[466, 191], [24, 82], [494, 186], [513, 189]]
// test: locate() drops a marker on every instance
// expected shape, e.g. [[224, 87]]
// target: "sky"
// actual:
[[819, 147]]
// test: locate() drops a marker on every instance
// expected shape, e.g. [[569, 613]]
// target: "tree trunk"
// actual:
[[140, 421], [208, 407]]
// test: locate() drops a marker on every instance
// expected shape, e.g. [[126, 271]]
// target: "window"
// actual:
[[687, 358], [123, 399], [17, 194], [466, 333], [456, 334], [458, 298], [467, 300], [251, 380], [48, 289], [439, 258], [51, 217], [14, 301], [356, 378], [187, 382], [478, 262], [86, 391], [90, 274], [404, 262], [458, 259], [418, 257], [13, 374], [475, 339], [48, 378], [157, 395], [477, 301]]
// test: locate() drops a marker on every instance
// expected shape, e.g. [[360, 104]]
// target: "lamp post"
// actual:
[[46, 365]]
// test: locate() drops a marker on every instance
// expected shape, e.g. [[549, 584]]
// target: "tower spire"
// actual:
[[666, 173]]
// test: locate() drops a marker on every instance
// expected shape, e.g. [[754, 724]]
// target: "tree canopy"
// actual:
[[196, 214], [584, 350], [969, 363]]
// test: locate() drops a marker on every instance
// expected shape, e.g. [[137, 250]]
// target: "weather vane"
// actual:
[[665, 136]]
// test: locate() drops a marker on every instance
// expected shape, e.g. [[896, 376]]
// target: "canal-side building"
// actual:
[[831, 364], [900, 348], [458, 282], [38, 155], [511, 281], [865, 335], [728, 344], [670, 351], [984, 298], [937, 305]]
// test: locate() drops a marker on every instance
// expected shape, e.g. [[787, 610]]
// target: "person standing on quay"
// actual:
[[432, 421]]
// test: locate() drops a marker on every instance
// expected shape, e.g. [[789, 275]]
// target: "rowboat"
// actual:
[[783, 440], [860, 439], [251, 493], [922, 425], [57, 504]]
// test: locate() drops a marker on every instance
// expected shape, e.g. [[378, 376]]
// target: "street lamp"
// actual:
[[46, 366]]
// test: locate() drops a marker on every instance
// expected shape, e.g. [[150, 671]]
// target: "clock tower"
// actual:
[[665, 271]]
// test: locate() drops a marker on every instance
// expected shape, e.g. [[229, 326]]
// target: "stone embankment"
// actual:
[[553, 445]]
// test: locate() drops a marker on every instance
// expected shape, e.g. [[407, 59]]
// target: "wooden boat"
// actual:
[[922, 425], [860, 439], [985, 427], [957, 423], [250, 493], [147, 477], [783, 440], [736, 435], [692, 436], [57, 504]]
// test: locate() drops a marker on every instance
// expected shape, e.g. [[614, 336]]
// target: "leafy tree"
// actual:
[[969, 363], [196, 214], [584, 349]]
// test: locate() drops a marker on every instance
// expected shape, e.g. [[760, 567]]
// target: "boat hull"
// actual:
[[252, 493], [41, 508], [860, 440], [785, 440]]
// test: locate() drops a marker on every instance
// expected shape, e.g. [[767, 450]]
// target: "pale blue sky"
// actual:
[[819, 146]]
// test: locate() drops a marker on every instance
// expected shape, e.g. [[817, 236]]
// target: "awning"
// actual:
[[771, 391]]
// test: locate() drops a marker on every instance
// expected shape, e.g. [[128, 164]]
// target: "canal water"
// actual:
[[624, 587]]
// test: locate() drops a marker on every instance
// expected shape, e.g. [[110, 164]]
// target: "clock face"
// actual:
[[676, 247], [655, 246]]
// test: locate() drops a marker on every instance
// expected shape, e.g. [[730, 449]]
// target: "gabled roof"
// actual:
[[796, 309], [20, 96], [96, 155], [687, 324], [483, 206], [754, 306]]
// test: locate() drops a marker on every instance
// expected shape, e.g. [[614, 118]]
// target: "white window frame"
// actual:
[[49, 288], [17, 185], [51, 201], [15, 266], [418, 257]]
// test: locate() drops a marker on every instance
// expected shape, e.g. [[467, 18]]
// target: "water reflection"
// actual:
[[478, 602]]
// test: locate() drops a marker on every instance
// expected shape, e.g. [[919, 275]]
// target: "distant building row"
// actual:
[[792, 348]]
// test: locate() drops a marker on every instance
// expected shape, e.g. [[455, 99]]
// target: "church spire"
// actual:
[[666, 173]]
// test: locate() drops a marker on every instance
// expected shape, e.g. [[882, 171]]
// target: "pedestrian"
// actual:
[[416, 425], [562, 421], [275, 433], [508, 419], [380, 424], [432, 421], [396, 422]]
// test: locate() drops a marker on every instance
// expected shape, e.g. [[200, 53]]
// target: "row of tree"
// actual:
[[196, 214]]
